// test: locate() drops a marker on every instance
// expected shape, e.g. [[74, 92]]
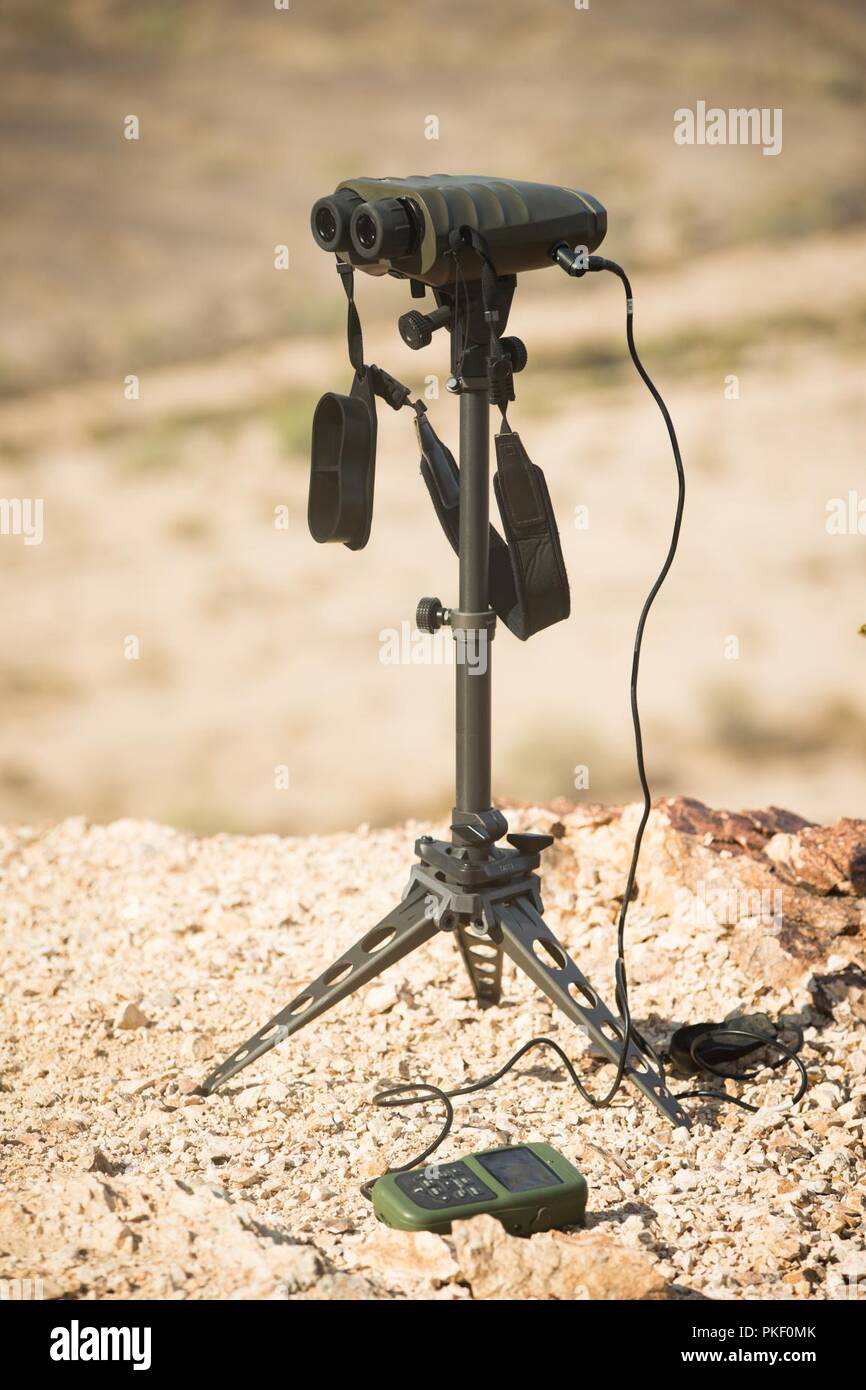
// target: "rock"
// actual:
[[135, 1087], [138, 1223], [155, 1118], [248, 1099], [791, 884], [786, 1247], [201, 1048], [831, 858], [97, 1162], [586, 1266], [340, 1287], [826, 1095], [401, 1254], [845, 986], [243, 1177], [218, 1150], [745, 832], [163, 999], [380, 998], [130, 1016], [853, 1264], [278, 1092], [299, 1267]]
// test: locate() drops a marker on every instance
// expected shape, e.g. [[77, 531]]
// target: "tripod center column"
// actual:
[[474, 647]]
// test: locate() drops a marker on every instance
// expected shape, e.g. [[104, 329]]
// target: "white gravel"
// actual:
[[136, 956]]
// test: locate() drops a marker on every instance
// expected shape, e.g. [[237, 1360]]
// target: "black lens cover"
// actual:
[[343, 465]]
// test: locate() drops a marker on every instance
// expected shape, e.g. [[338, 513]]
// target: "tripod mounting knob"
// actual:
[[516, 349], [429, 615], [417, 329]]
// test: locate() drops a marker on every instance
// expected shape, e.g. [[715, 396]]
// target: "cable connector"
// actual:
[[576, 262], [572, 262]]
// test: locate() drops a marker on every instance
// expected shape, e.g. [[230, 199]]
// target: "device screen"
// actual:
[[517, 1170]]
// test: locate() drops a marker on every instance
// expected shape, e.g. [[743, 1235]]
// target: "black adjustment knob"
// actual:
[[528, 843], [516, 350], [417, 329], [429, 616]]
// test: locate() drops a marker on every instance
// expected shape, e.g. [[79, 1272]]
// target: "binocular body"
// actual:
[[407, 227]]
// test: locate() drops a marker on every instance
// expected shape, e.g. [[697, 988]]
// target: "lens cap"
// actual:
[[343, 465]]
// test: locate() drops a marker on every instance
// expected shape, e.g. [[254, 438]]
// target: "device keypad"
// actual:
[[444, 1185]]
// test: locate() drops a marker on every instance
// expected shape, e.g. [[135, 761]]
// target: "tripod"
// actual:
[[487, 896]]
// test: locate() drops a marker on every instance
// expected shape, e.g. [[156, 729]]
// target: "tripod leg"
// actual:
[[532, 946], [395, 936], [483, 960]]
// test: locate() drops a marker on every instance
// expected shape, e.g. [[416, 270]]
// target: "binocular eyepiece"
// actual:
[[406, 226], [387, 229]]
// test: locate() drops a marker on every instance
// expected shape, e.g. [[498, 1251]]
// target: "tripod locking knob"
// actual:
[[429, 615], [417, 329], [516, 350]]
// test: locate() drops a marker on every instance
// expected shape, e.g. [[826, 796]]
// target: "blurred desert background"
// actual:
[[260, 650]]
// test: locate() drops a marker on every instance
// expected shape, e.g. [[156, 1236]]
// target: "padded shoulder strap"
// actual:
[[534, 550], [528, 585]]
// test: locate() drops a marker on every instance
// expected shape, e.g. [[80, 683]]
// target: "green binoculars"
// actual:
[[412, 227]]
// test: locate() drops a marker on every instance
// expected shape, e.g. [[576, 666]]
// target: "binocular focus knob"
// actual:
[[429, 615]]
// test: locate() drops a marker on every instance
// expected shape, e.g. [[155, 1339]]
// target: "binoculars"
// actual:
[[465, 238], [411, 227]]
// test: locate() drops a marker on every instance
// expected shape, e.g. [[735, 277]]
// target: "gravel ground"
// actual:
[[136, 956]]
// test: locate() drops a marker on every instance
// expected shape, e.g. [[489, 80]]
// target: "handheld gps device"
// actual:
[[528, 1187]]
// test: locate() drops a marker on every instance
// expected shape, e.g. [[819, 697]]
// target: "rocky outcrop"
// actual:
[[155, 1237], [552, 1265], [794, 893], [793, 890]]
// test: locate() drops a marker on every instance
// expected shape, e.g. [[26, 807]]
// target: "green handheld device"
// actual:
[[528, 1188]]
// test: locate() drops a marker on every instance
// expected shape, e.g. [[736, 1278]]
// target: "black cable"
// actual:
[[789, 1054], [460, 278], [621, 994], [394, 1096], [408, 1092]]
